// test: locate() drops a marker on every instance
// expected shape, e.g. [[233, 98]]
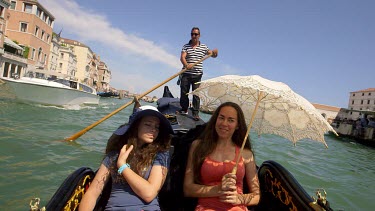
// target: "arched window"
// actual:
[[40, 54]]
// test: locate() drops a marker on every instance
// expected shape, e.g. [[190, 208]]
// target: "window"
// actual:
[[353, 95], [42, 36], [38, 12], [28, 8], [368, 101], [361, 102], [23, 27], [363, 94], [36, 31], [12, 5], [62, 55], [60, 65], [369, 94], [1, 11], [39, 53], [47, 39], [352, 102], [33, 54], [45, 59]]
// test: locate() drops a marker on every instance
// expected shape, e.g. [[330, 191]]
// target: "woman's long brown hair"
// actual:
[[209, 138], [140, 158]]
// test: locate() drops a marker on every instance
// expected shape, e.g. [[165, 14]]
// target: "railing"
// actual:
[[15, 57]]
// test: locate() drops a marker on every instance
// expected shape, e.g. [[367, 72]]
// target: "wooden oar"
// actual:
[[80, 133], [248, 131]]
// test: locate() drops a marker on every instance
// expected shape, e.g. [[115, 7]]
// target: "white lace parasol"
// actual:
[[280, 111]]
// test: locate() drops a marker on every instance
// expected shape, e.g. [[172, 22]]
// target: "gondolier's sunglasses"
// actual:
[[194, 34]]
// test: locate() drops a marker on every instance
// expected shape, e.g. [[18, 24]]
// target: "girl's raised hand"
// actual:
[[124, 154]]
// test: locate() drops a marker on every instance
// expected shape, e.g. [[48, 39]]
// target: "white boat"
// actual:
[[58, 92]]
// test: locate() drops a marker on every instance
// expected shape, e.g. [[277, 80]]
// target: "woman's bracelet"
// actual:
[[122, 168]]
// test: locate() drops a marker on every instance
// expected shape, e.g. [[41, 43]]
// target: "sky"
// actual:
[[322, 49]]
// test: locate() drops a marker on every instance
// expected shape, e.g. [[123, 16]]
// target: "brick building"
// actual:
[[31, 25]]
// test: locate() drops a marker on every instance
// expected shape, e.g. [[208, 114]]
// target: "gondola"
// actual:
[[279, 189]]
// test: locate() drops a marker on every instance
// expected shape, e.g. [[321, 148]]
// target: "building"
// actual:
[[362, 100], [85, 60], [328, 112], [12, 61], [94, 71], [62, 61], [32, 46], [30, 24], [54, 53], [104, 78], [4, 5]]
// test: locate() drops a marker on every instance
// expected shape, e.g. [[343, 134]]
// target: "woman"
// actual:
[[137, 162], [208, 176]]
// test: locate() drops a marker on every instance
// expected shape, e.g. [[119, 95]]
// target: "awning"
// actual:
[[360, 111], [9, 42]]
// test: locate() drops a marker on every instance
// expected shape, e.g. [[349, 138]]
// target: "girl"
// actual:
[[137, 162], [211, 160]]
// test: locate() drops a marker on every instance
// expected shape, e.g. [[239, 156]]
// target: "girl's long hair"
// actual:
[[209, 138], [140, 158]]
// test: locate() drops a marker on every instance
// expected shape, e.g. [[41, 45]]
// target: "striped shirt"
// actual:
[[193, 55]]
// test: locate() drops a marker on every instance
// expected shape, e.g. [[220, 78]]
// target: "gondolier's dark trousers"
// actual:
[[186, 81]]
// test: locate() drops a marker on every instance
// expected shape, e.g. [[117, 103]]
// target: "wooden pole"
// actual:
[[248, 131], [80, 133]]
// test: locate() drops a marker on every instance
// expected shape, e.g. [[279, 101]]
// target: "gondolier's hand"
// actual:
[[124, 154], [214, 53], [189, 66]]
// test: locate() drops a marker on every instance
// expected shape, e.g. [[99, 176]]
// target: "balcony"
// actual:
[[15, 57]]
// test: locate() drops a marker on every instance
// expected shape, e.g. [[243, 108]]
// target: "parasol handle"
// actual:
[[80, 133], [234, 170]]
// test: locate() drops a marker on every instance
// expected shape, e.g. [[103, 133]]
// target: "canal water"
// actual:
[[35, 160]]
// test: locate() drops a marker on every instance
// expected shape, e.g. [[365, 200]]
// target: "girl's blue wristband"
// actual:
[[122, 168]]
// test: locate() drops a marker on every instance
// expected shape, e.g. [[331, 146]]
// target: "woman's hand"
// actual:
[[228, 182], [228, 192], [124, 154]]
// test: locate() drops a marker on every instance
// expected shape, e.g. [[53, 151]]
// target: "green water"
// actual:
[[34, 160]]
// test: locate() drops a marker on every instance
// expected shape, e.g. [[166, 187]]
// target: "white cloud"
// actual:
[[90, 26]]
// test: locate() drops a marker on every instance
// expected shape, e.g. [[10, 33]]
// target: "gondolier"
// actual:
[[191, 53]]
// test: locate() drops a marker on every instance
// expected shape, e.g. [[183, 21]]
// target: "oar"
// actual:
[[80, 133], [248, 131]]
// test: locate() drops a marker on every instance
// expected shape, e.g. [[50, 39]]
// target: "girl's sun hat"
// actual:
[[146, 110]]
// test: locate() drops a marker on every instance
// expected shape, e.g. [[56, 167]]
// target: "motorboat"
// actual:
[[50, 91], [108, 94]]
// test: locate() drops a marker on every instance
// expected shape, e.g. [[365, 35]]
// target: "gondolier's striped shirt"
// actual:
[[194, 55]]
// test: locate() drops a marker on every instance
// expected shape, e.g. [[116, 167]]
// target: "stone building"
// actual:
[[87, 61], [104, 78], [362, 100]]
